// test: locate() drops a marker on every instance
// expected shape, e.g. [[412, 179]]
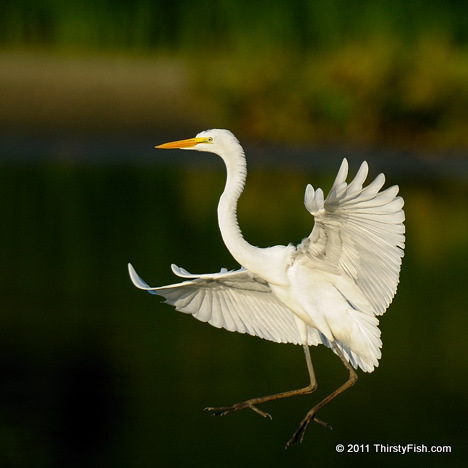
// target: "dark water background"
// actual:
[[97, 373]]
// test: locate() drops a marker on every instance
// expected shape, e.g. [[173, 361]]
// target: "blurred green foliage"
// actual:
[[382, 93], [240, 24], [366, 72]]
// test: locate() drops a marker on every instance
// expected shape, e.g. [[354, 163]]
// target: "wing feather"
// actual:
[[358, 232], [235, 300]]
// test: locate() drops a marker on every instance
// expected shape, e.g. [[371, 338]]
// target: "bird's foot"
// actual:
[[298, 436], [224, 410]]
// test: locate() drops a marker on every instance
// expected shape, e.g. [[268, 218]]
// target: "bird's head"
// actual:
[[213, 141]]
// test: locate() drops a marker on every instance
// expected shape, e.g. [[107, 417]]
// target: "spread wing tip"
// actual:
[[181, 272], [313, 199], [137, 281]]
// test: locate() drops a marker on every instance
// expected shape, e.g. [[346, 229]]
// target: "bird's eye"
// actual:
[[210, 139]]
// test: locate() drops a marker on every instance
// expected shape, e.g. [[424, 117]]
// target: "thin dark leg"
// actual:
[[223, 410], [300, 432]]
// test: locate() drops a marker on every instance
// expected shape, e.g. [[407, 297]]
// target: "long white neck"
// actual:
[[258, 260], [240, 249]]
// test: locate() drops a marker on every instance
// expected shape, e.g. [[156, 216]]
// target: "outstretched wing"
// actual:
[[358, 232], [234, 300]]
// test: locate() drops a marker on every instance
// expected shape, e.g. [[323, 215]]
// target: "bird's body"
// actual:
[[327, 290]]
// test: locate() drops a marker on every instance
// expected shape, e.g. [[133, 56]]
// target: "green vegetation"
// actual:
[[366, 72], [227, 24], [379, 93]]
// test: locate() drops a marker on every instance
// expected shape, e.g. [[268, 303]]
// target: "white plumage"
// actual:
[[328, 289], [235, 300]]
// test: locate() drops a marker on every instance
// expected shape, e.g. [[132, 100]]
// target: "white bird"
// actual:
[[327, 290]]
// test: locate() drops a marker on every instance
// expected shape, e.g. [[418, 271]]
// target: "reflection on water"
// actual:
[[97, 373]]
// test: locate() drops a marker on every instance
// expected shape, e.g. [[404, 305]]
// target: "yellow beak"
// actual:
[[190, 143]]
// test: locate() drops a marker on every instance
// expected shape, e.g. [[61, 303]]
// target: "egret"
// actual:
[[327, 290]]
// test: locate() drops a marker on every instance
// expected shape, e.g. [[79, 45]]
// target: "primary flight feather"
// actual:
[[327, 290]]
